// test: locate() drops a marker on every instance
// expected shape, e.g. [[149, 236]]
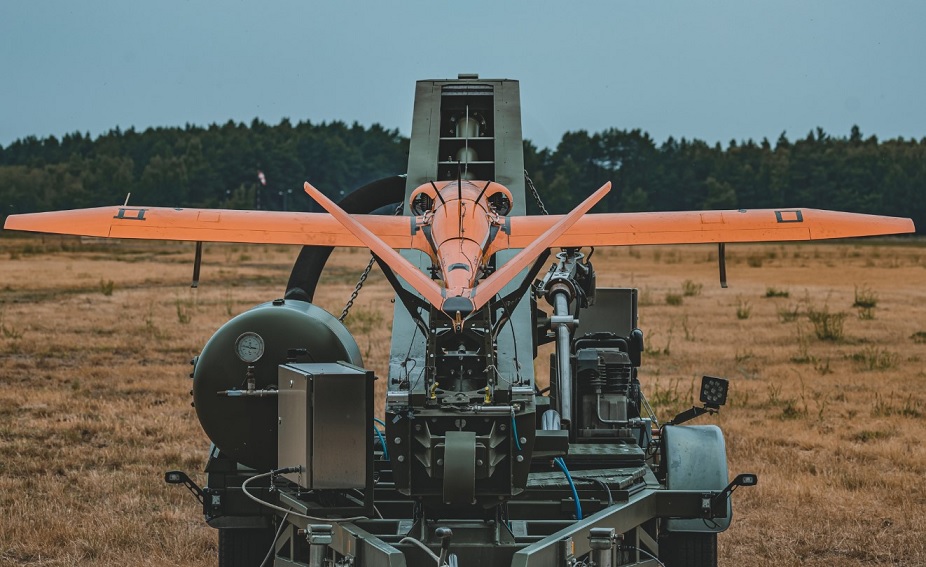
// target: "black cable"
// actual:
[[647, 553], [411, 345], [600, 483], [244, 489], [514, 342]]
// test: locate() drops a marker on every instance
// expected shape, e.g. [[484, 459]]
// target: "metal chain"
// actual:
[[353, 296], [530, 185], [363, 278]]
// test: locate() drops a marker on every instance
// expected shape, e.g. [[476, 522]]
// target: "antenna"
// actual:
[[460, 196], [466, 144], [439, 196], [459, 180], [483, 192]]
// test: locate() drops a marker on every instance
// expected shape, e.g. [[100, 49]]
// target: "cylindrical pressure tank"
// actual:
[[245, 427]]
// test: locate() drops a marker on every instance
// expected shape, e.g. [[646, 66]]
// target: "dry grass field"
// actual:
[[95, 340]]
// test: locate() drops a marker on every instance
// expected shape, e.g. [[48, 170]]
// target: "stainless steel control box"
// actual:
[[325, 424]]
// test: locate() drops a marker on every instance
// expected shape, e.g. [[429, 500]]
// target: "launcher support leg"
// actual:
[[563, 351]]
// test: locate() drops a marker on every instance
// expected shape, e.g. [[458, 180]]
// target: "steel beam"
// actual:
[[623, 517]]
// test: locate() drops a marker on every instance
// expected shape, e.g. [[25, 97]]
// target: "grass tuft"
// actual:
[[827, 326], [184, 313], [867, 435], [789, 314], [106, 287], [361, 320], [874, 358], [670, 399], [743, 310], [773, 292], [691, 289], [865, 301], [908, 407], [8, 331]]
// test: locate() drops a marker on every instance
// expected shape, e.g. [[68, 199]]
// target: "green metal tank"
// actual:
[[244, 427]]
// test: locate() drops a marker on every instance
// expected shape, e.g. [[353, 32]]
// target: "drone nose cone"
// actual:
[[459, 304]]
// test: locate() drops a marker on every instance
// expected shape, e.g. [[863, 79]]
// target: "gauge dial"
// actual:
[[249, 347]]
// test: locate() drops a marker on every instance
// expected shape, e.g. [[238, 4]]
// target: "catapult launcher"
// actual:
[[476, 461]]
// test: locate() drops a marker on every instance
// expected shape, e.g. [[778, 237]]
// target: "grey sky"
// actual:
[[709, 70]]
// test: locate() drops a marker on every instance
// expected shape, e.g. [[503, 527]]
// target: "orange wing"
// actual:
[[530, 251], [696, 227], [211, 225], [422, 283]]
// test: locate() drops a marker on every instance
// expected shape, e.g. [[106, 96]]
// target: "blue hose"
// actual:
[[514, 431], [575, 494], [382, 441], [379, 421]]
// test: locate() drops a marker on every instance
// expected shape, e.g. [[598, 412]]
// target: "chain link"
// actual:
[[530, 185], [363, 278], [353, 296]]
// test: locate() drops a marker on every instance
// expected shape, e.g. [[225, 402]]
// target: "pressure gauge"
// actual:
[[249, 347]]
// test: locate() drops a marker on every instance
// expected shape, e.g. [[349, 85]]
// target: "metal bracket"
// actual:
[[197, 262], [690, 414], [744, 479], [180, 477], [722, 263]]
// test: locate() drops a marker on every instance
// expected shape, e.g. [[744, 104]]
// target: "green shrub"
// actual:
[[865, 301], [827, 326], [873, 358], [772, 292]]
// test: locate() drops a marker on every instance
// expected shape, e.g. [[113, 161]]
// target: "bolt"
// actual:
[[401, 458], [397, 440], [520, 458], [503, 427], [523, 440], [478, 462], [440, 462], [417, 427]]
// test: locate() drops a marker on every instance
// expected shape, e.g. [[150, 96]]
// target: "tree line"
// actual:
[[217, 166]]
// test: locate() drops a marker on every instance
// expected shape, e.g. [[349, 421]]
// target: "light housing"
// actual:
[[714, 391]]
